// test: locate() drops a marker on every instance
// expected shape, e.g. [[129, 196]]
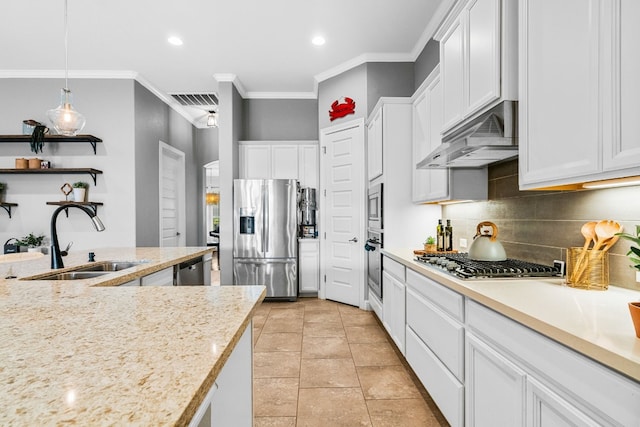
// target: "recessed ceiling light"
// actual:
[[176, 41], [318, 40]]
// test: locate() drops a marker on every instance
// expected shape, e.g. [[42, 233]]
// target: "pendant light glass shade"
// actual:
[[212, 119], [65, 119]]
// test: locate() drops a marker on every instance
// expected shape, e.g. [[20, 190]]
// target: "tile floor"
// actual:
[[321, 363]]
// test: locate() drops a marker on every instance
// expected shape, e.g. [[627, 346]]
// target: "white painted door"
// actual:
[[342, 225], [172, 196]]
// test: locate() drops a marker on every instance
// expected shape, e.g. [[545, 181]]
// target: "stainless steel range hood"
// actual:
[[490, 137]]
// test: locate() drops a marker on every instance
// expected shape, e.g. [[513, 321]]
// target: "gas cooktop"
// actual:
[[461, 266]]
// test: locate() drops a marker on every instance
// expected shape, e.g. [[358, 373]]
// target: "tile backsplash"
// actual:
[[538, 226]]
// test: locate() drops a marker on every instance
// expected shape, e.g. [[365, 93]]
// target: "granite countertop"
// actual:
[[594, 323], [76, 353]]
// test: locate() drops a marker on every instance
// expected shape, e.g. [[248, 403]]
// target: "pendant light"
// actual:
[[65, 119], [212, 119]]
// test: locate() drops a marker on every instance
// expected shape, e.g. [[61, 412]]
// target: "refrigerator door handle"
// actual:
[[266, 222]]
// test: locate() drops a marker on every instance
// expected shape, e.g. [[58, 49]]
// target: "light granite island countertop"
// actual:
[[75, 352]]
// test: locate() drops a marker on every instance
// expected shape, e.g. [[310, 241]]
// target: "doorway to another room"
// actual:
[[212, 215], [172, 196]]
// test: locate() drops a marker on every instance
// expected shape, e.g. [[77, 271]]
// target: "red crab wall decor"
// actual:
[[341, 109]]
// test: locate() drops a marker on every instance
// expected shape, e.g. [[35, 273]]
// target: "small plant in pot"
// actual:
[[31, 241], [80, 191], [430, 244]]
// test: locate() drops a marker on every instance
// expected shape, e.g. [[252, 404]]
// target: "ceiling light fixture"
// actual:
[[176, 41], [212, 119], [65, 119], [318, 40]]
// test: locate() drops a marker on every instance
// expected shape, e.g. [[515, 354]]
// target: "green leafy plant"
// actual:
[[430, 241], [634, 251], [80, 184], [2, 186], [31, 240]]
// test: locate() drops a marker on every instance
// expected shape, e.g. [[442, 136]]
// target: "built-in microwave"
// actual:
[[374, 207]]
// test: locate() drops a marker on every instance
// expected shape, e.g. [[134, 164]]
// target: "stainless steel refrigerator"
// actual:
[[265, 249]]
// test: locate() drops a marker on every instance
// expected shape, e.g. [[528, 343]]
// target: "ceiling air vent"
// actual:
[[207, 100]]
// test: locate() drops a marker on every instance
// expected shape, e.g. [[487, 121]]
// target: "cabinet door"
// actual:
[[308, 165], [483, 56], [452, 63], [284, 161], [420, 189], [393, 309], [546, 409], [159, 278], [308, 261], [388, 303], [560, 126], [494, 389], [255, 162], [621, 144], [374, 146]]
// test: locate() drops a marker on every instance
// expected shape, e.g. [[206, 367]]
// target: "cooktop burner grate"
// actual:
[[460, 265]]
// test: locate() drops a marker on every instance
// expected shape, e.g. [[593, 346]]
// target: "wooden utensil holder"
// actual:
[[587, 271]]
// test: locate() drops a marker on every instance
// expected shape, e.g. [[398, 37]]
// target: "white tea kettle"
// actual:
[[485, 246]]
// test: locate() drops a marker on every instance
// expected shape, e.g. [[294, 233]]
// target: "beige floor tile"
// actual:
[[325, 348], [328, 373], [263, 308], [322, 317], [279, 341], [275, 397], [350, 309], [259, 319], [323, 330], [279, 324], [314, 304], [386, 382], [276, 364], [374, 354], [286, 313], [364, 318], [256, 335], [401, 412], [274, 422], [365, 334], [335, 407]]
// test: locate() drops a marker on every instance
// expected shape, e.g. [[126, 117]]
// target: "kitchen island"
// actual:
[[84, 353]]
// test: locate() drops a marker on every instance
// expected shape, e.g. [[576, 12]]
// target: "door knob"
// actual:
[[355, 240]]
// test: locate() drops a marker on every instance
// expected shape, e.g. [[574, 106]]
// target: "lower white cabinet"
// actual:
[[134, 282], [546, 408], [230, 399], [393, 301], [308, 266], [159, 278], [494, 387]]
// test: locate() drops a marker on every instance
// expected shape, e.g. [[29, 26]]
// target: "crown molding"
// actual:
[[282, 95], [432, 27]]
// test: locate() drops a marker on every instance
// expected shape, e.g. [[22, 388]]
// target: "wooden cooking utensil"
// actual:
[[588, 230], [605, 238]]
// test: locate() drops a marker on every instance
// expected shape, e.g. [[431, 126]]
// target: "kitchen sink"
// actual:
[[108, 266], [72, 275]]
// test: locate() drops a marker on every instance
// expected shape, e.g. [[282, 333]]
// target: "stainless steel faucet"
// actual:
[[56, 256]]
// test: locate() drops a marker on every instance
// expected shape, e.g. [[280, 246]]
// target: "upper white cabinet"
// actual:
[[478, 56], [375, 145], [579, 91], [435, 185], [280, 160]]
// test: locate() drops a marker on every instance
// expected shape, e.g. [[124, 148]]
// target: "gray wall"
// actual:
[[280, 119], [388, 79], [352, 84], [539, 225], [426, 62], [154, 122]]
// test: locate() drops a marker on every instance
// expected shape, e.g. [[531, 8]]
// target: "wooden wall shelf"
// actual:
[[93, 172], [93, 140], [91, 205], [7, 207]]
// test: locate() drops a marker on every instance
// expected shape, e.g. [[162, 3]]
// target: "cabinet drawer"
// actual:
[[449, 301], [393, 267], [444, 388], [443, 335]]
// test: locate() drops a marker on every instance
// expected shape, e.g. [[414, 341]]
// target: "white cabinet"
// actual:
[[494, 387], [478, 56], [375, 146], [308, 266], [159, 278], [436, 185], [546, 408], [134, 282], [579, 92], [229, 401], [393, 301], [280, 160]]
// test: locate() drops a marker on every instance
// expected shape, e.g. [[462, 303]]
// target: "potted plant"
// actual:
[[80, 191], [430, 244], [32, 242], [2, 187], [634, 251]]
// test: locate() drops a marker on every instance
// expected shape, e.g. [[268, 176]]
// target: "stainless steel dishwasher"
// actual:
[[196, 271]]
